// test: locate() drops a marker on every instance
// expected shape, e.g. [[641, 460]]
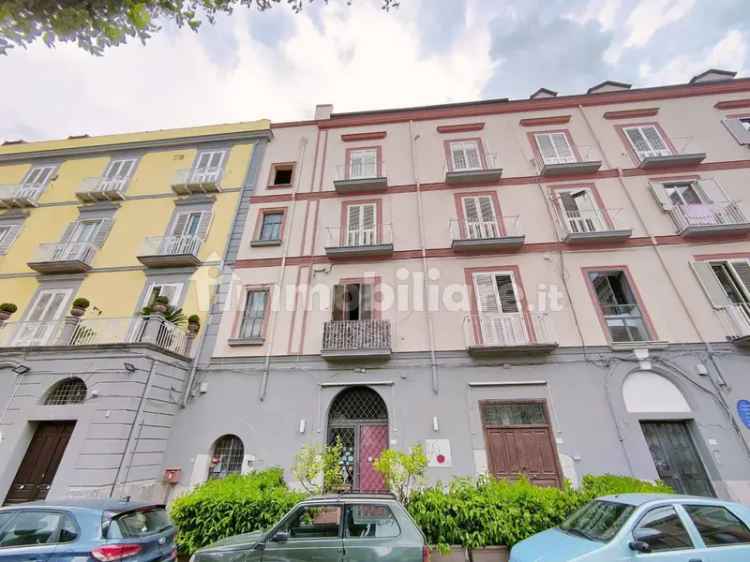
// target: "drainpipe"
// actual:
[[282, 275], [420, 218], [659, 255]]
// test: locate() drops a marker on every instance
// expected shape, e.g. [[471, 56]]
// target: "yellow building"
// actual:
[[117, 220]]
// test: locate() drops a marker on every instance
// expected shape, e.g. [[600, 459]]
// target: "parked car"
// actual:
[[86, 531], [644, 527], [358, 527]]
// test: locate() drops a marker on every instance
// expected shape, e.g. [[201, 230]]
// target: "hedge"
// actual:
[[484, 512], [231, 506]]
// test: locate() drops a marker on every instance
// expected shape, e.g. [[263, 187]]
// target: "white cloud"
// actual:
[[602, 11], [362, 58]]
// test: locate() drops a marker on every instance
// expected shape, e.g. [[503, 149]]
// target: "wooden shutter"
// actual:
[[742, 269], [657, 190], [365, 302], [738, 130], [105, 225], [354, 225], [486, 293], [205, 224], [569, 205], [339, 298], [9, 238], [506, 290], [716, 294]]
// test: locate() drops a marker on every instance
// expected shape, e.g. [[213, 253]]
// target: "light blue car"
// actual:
[[645, 528]]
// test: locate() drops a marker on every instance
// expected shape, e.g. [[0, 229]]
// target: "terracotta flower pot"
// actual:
[[455, 554], [4, 315], [194, 327], [77, 311], [159, 307]]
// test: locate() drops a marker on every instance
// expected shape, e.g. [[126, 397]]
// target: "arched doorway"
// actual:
[[358, 417]]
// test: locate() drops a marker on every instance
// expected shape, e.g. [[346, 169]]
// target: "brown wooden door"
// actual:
[[38, 468], [520, 442]]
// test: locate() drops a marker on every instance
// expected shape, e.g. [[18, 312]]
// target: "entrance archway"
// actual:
[[358, 417]]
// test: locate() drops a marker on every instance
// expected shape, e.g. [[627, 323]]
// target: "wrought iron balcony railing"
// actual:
[[497, 333], [345, 339], [66, 257]]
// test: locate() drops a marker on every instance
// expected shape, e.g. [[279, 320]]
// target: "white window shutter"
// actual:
[[178, 224], [716, 294], [459, 159], [9, 238], [546, 148], [637, 140], [68, 233], [711, 192], [102, 232], [738, 131], [507, 292], [564, 151], [470, 210], [487, 209], [472, 155], [657, 190], [368, 217], [484, 284], [365, 301], [354, 218], [205, 224], [742, 269]]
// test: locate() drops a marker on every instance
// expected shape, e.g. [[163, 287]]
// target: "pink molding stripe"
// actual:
[[632, 113], [462, 128], [540, 121], [732, 104], [354, 137]]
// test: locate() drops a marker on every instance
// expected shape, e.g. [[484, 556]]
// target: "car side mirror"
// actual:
[[643, 537], [281, 536], [639, 546]]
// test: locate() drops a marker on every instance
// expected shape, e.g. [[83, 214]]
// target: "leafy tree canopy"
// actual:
[[97, 24]]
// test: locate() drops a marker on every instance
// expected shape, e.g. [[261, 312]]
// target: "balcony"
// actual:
[[736, 321], [356, 339], [18, 197], [707, 220], [584, 160], [191, 181], [488, 334], [361, 178], [170, 251], [487, 172], [502, 235], [70, 257], [98, 189], [592, 226], [372, 242], [96, 331], [684, 153]]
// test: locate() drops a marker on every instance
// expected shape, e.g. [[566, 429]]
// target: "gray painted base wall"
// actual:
[[594, 432]]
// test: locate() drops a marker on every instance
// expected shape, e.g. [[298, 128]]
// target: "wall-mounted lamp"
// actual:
[[435, 424], [94, 393], [302, 425], [21, 369]]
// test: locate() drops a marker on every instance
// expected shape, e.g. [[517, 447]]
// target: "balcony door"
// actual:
[[352, 301], [76, 241], [480, 218], [363, 163], [36, 180], [185, 233], [647, 141], [555, 148], [208, 166], [42, 321], [465, 156], [500, 320], [116, 175], [619, 306], [734, 278], [361, 225], [580, 211]]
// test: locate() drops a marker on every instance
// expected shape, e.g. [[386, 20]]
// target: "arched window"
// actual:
[[647, 392], [358, 403], [68, 391], [226, 457]]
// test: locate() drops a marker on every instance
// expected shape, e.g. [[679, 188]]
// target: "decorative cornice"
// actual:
[[542, 121], [354, 137], [732, 104], [462, 128], [632, 113]]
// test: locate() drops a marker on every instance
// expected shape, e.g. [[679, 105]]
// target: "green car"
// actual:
[[345, 528]]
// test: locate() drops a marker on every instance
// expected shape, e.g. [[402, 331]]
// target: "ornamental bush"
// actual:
[[485, 511], [231, 506]]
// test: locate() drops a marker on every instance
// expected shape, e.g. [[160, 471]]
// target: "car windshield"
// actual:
[[598, 520]]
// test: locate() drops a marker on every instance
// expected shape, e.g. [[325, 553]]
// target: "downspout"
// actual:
[[420, 218], [691, 319], [282, 275]]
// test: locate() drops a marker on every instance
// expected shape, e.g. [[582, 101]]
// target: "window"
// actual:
[[31, 528], [734, 278], [717, 525], [496, 293], [363, 163], [465, 155], [555, 148], [282, 175], [41, 321], [371, 521], [361, 225], [68, 531], [662, 529], [8, 235], [141, 523], [208, 166], [170, 290], [271, 226], [684, 193], [352, 301], [580, 210], [479, 213], [619, 306], [513, 413], [500, 320], [37, 178], [727, 286], [314, 522], [254, 316], [69, 391], [79, 237], [598, 520], [227, 457], [647, 141], [116, 175], [745, 122]]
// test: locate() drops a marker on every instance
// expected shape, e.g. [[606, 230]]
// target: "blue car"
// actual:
[[645, 528], [86, 531]]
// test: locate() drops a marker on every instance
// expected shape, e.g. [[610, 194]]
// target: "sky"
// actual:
[[279, 65]]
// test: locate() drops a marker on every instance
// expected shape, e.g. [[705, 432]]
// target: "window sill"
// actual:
[[263, 243], [279, 186], [239, 342], [631, 345]]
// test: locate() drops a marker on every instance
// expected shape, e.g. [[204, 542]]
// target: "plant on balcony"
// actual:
[[171, 314], [402, 471], [318, 468], [79, 307], [6, 310], [194, 323]]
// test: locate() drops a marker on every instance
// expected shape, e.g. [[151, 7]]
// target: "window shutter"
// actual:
[[716, 294], [105, 225], [507, 293], [205, 224], [472, 155], [354, 218], [569, 205], [470, 210], [546, 148], [742, 269], [459, 159], [564, 151], [368, 217], [169, 291], [484, 284], [487, 209], [216, 159], [203, 160], [637, 140], [339, 298], [68, 233], [365, 302], [39, 307], [37, 177], [654, 138], [9, 238], [711, 192], [178, 226], [657, 190], [738, 131]]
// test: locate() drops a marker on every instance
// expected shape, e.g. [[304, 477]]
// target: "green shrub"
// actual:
[[8, 307], [81, 302], [231, 506], [483, 512]]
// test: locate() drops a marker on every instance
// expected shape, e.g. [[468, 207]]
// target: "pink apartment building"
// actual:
[[551, 286]]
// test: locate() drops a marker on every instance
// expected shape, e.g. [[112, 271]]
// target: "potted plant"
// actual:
[[194, 323], [79, 307], [6, 310], [160, 304]]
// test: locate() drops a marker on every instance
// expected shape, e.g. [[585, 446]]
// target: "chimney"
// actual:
[[323, 111]]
